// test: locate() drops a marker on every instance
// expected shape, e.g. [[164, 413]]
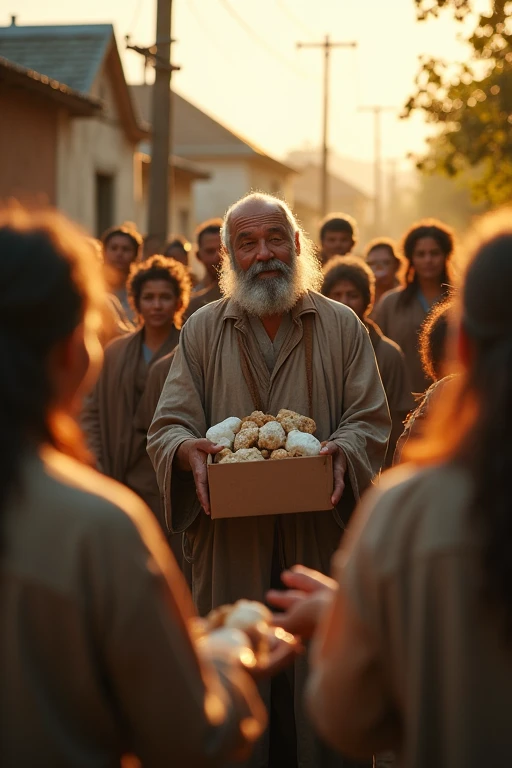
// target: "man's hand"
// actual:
[[191, 456], [339, 466], [309, 594]]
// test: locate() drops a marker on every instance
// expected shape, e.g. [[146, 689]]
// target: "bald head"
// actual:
[[268, 262]]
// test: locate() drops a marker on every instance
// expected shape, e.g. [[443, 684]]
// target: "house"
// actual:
[[343, 196], [235, 165], [34, 111]]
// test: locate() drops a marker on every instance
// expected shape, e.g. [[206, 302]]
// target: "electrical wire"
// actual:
[[261, 41], [298, 23]]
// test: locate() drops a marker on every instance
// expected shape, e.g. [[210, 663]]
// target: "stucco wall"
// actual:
[[28, 145], [230, 179], [266, 178], [90, 146]]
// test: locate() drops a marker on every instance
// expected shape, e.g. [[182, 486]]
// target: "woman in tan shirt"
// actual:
[[415, 651], [96, 660]]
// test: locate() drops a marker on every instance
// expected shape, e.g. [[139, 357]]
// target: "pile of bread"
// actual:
[[243, 630], [261, 436]]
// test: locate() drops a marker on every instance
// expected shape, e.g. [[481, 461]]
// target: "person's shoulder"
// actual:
[[90, 500], [390, 298], [391, 349], [118, 345], [205, 315]]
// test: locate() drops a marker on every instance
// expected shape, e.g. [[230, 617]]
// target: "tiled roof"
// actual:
[[70, 54]]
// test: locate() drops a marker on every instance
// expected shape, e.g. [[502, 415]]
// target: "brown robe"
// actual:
[[402, 324], [395, 380], [201, 297], [96, 660], [111, 415], [414, 657], [233, 558]]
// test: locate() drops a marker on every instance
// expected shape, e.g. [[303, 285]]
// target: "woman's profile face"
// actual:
[[428, 259]]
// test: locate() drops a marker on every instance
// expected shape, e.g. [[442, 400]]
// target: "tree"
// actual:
[[470, 103]]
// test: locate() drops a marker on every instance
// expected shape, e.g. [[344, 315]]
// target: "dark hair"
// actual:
[[177, 241], [444, 237], [129, 230], [479, 407], [49, 276], [209, 227], [160, 268], [389, 245], [338, 222], [432, 339], [350, 268]]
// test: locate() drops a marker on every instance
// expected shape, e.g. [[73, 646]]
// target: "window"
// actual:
[[104, 202]]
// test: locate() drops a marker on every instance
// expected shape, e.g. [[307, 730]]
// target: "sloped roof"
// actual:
[[197, 134], [20, 77], [71, 54], [306, 187]]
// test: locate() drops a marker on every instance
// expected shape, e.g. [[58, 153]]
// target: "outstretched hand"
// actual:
[[308, 595]]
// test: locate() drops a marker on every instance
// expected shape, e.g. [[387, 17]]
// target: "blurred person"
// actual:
[[96, 658], [338, 235], [272, 342], [159, 290], [208, 252], [121, 248], [437, 365], [114, 321], [413, 652], [151, 246], [382, 258], [178, 249], [427, 247], [349, 280]]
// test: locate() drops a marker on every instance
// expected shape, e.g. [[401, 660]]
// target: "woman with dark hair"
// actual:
[[121, 249], [159, 290], [415, 651], [96, 660], [427, 247]]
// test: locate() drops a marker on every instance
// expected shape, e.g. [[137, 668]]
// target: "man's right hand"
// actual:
[[191, 456]]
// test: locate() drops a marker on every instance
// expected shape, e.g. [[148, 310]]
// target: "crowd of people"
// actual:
[[118, 361]]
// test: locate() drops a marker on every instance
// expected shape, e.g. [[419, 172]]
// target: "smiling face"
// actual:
[[158, 304]]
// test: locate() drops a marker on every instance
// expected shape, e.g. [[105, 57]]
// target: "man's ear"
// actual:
[[297, 243]]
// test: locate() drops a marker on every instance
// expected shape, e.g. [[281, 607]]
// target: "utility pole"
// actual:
[[160, 169], [327, 45], [377, 110]]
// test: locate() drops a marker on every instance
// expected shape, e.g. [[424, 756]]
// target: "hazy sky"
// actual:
[[269, 91]]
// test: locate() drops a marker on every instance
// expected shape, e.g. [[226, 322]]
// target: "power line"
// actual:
[[261, 41], [135, 17], [298, 23]]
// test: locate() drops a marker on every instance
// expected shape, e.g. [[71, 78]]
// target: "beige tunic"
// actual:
[[233, 558], [402, 325], [413, 657], [95, 657]]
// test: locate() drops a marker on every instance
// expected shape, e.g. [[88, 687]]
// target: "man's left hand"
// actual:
[[339, 466]]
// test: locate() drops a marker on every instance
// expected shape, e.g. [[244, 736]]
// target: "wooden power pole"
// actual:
[[327, 45], [377, 110], [160, 170]]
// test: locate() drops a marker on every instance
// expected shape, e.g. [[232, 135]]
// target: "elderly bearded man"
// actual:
[[270, 308]]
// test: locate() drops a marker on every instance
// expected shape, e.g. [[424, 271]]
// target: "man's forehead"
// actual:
[[256, 213]]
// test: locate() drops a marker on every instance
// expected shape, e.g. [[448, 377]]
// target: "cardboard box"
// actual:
[[252, 488]]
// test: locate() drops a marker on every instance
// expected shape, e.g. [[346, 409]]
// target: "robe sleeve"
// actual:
[[179, 416], [364, 428], [177, 708], [349, 695], [91, 426]]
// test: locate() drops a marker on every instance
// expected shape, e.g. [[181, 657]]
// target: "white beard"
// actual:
[[268, 295]]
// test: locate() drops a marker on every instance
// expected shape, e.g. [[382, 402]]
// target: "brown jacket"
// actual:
[[96, 660], [111, 415], [413, 657], [395, 380], [402, 324]]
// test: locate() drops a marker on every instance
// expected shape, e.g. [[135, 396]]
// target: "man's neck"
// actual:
[[271, 324], [155, 337]]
